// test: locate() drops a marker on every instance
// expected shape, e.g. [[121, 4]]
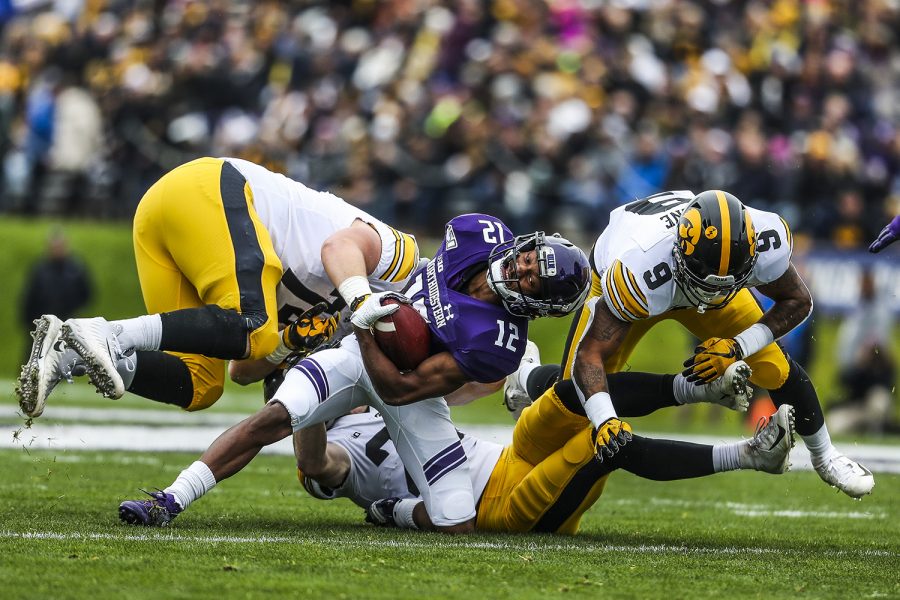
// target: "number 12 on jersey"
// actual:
[[509, 336]]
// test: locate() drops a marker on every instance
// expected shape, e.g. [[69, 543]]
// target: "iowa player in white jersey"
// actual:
[[356, 459], [227, 254], [691, 258]]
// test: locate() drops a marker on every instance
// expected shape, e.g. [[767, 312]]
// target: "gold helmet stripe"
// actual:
[[725, 257]]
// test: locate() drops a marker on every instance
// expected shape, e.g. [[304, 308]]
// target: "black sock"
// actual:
[[163, 378], [798, 391], [664, 460], [542, 379], [639, 394], [208, 330]]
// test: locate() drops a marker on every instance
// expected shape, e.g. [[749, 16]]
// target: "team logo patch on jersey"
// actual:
[[450, 238], [711, 232], [689, 231]]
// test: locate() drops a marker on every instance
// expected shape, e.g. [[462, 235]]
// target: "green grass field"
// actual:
[[737, 535]]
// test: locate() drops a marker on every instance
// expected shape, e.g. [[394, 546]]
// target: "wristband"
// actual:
[[354, 287], [599, 408], [754, 338], [277, 356]]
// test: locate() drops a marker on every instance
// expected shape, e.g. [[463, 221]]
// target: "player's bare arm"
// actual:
[[793, 302], [353, 251], [472, 391], [602, 338], [319, 459], [436, 377]]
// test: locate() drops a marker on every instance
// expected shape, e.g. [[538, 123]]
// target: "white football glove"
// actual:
[[371, 309]]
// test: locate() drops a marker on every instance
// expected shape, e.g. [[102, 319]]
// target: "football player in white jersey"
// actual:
[[356, 459], [228, 253], [691, 258]]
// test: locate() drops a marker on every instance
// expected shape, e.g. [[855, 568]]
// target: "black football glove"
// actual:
[[711, 359], [381, 512], [311, 329], [610, 437]]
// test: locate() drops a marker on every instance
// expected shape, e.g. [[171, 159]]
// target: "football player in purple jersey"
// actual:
[[888, 236], [478, 294]]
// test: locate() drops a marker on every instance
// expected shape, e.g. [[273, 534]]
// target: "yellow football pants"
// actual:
[[187, 257], [550, 494]]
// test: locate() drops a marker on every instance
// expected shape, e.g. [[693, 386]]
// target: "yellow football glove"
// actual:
[[610, 437], [711, 359], [310, 330]]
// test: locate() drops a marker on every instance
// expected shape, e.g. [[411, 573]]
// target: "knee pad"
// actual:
[[451, 509]]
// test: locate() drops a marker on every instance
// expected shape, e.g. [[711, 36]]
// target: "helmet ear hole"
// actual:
[[715, 248]]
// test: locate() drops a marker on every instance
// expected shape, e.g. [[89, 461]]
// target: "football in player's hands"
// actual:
[[403, 336]]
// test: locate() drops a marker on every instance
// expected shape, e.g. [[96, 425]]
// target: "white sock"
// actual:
[[140, 333], [683, 390], [403, 513], [727, 457], [191, 484], [819, 444], [523, 373]]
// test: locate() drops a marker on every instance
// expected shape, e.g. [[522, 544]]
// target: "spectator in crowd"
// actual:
[[867, 366], [505, 107], [57, 284]]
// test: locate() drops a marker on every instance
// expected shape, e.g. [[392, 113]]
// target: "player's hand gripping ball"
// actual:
[[403, 336]]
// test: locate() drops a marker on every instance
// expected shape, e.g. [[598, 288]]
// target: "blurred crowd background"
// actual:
[[548, 114]]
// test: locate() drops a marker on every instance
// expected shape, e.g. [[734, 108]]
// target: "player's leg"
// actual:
[[430, 448], [320, 387], [787, 383], [208, 274], [553, 496]]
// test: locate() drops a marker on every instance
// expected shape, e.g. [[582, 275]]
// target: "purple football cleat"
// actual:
[[155, 512]]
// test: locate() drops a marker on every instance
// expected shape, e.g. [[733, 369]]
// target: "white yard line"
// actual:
[[162, 431], [431, 544]]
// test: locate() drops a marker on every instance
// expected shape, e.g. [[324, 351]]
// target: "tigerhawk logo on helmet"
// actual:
[[712, 268]]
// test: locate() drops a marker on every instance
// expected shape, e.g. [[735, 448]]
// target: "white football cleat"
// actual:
[[847, 475], [515, 397], [95, 342], [49, 362], [731, 390], [770, 448]]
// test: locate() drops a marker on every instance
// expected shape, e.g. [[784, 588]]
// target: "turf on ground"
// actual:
[[733, 535]]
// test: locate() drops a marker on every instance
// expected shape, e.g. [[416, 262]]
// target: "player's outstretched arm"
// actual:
[[436, 377], [328, 464]]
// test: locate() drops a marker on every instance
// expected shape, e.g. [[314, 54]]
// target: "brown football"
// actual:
[[404, 336]]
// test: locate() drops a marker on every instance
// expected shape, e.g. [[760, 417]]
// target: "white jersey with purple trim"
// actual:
[[299, 220], [635, 265], [376, 470]]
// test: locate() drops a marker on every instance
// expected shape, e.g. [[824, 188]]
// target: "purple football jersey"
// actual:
[[483, 338]]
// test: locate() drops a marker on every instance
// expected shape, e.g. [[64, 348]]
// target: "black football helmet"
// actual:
[[715, 249], [564, 272]]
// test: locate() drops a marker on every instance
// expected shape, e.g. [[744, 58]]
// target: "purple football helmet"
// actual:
[[564, 272]]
